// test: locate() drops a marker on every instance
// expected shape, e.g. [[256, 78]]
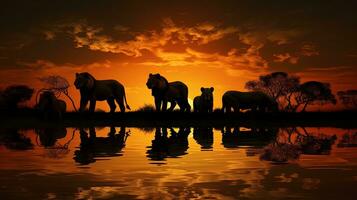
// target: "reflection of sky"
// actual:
[[221, 173]]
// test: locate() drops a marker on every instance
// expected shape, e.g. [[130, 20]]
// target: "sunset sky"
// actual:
[[217, 43]]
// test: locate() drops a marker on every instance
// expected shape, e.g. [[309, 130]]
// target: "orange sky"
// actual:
[[224, 45]]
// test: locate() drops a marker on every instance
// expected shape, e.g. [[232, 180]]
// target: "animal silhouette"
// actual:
[[248, 100], [203, 137], [93, 90], [50, 107], [93, 147], [163, 92], [169, 147], [204, 103], [234, 137]]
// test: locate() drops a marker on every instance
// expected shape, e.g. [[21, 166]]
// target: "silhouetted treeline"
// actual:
[[269, 93]]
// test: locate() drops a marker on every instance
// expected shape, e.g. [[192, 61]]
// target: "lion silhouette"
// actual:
[[204, 103], [237, 100], [163, 92], [93, 90]]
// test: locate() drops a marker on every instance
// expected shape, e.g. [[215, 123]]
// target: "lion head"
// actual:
[[84, 81], [207, 94], [156, 81]]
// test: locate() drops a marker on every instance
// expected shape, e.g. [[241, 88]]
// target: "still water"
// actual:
[[178, 163]]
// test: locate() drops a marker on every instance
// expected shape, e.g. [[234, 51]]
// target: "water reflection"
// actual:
[[234, 137], [48, 137], [292, 142], [240, 163], [93, 147], [348, 140], [204, 137], [164, 146], [15, 140]]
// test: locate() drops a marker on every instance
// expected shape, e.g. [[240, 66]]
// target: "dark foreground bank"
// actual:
[[176, 119]]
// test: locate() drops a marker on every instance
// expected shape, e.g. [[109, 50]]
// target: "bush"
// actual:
[[280, 153], [146, 108]]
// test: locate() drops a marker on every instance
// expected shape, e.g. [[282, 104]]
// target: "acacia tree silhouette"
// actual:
[[312, 92], [290, 93], [278, 85], [58, 85]]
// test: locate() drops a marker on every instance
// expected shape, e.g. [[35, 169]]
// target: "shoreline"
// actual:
[[177, 119]]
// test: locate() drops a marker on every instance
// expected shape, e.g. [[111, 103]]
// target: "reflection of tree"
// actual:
[[48, 138], [14, 140], [348, 140], [203, 137], [280, 152], [233, 137], [169, 147], [92, 147], [293, 142]]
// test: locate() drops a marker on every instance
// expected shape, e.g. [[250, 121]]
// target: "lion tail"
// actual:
[[126, 102]]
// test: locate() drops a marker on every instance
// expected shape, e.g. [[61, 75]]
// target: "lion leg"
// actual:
[[210, 109], [228, 109], [181, 105], [92, 105], [224, 108], [83, 104], [111, 104], [164, 105], [184, 105], [158, 104], [236, 109], [172, 106], [188, 107], [120, 102]]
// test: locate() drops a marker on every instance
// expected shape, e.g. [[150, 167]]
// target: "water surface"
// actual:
[[178, 163]]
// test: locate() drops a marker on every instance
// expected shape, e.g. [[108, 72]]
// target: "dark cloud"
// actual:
[[279, 34]]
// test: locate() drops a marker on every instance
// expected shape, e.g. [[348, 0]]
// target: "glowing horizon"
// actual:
[[181, 42]]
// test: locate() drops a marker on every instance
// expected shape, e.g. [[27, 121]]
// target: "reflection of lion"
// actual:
[[163, 92], [93, 90], [51, 107]]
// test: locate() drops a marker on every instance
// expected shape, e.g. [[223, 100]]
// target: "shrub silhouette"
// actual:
[[13, 95], [146, 108], [348, 98]]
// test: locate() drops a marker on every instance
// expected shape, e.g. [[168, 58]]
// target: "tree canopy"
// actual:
[[290, 93]]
